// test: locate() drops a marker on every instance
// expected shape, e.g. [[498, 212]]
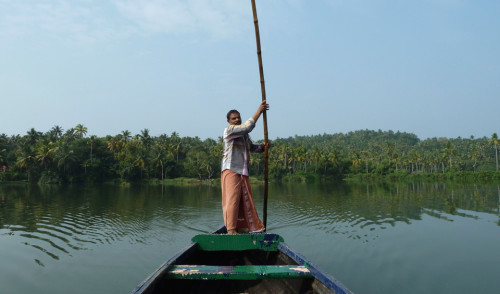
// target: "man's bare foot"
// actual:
[[232, 232]]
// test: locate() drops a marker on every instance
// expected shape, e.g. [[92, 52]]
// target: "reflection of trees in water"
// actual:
[[379, 204], [56, 221], [59, 220], [445, 198], [498, 206]]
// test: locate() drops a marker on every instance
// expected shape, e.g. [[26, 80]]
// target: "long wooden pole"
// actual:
[[264, 115]]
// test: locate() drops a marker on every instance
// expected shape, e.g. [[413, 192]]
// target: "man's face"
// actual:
[[234, 119]]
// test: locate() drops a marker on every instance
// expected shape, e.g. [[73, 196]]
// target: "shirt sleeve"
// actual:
[[256, 148], [234, 131]]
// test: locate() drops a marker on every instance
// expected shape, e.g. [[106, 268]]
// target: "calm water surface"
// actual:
[[392, 238]]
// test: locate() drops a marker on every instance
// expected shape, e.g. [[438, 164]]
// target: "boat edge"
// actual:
[[147, 282], [329, 281]]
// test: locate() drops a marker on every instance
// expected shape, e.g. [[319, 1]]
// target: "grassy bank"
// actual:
[[482, 177]]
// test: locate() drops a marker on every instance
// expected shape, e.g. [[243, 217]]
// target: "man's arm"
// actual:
[[263, 106], [234, 131], [260, 148], [247, 127]]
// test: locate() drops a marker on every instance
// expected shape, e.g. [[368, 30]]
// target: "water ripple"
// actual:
[[55, 233], [330, 218]]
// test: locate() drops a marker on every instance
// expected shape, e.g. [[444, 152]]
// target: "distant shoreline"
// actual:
[[480, 177]]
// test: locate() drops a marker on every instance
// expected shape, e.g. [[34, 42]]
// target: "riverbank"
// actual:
[[482, 177]]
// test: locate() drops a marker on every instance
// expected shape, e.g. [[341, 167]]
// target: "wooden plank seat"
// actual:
[[240, 272], [214, 242]]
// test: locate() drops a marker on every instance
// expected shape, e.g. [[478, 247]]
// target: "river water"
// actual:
[[375, 238]]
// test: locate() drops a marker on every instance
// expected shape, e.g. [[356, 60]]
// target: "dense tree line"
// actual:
[[70, 156], [383, 153]]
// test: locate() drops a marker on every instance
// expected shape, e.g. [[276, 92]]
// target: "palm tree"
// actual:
[[158, 160], [69, 136], [126, 136], [140, 161], [449, 151], [145, 138], [477, 155], [494, 141], [333, 157], [80, 130], [174, 136], [355, 158], [4, 142], [45, 153], [2, 161], [55, 133], [86, 164], [315, 157], [396, 160], [389, 150], [177, 147], [26, 161], [114, 146], [2, 158], [366, 154], [92, 143], [65, 156], [32, 136]]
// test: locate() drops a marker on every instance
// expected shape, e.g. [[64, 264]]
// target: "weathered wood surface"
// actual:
[[240, 272]]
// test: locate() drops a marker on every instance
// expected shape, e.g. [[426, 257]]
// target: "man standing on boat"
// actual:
[[237, 201]]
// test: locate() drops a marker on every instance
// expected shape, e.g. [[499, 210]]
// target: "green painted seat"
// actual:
[[240, 272], [214, 242]]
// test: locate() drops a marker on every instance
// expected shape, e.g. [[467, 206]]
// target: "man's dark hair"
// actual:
[[231, 112]]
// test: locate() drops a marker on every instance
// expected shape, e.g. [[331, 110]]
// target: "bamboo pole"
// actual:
[[264, 115]]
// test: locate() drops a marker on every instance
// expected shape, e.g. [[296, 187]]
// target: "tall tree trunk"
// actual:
[[496, 155], [162, 175]]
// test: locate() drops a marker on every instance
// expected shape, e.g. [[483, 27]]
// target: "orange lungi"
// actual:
[[237, 203]]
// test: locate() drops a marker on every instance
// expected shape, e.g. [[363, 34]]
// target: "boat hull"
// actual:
[[280, 269]]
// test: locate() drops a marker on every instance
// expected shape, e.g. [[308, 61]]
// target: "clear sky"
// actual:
[[428, 67]]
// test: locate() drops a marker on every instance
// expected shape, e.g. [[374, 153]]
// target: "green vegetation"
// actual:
[[58, 157]]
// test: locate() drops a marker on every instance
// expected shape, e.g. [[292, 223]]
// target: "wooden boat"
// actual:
[[244, 263]]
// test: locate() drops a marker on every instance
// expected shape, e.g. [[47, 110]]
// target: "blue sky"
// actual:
[[428, 67]]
